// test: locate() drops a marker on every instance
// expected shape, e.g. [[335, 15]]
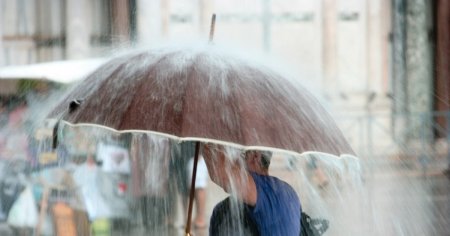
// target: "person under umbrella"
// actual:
[[271, 203], [202, 95]]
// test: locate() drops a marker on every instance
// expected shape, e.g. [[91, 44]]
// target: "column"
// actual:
[[266, 22], [399, 92], [165, 18], [386, 27], [78, 29], [374, 39], [442, 82], [149, 23], [419, 71], [121, 22], [204, 16], [1, 35], [442, 52], [329, 37]]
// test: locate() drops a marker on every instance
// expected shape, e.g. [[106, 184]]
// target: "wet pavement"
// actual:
[[441, 205], [399, 202], [411, 204], [405, 203]]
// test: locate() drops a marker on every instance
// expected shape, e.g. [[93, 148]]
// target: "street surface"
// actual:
[[389, 201]]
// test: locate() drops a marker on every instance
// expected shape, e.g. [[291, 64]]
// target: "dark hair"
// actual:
[[265, 159]]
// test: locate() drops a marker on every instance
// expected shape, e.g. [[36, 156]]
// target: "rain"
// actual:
[[125, 134]]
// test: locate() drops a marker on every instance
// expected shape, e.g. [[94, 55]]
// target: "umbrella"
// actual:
[[205, 94]]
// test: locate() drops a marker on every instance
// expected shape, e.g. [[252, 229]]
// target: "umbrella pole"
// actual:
[[192, 190], [211, 30]]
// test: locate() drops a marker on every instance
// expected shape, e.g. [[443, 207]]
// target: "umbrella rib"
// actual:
[[154, 67], [102, 83], [191, 72], [106, 81], [237, 104], [75, 94]]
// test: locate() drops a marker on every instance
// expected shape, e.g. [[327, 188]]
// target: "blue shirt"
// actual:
[[277, 210]]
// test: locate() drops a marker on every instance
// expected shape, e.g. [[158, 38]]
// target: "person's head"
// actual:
[[258, 161]]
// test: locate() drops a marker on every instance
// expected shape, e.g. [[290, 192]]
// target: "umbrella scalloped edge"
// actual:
[[214, 141]]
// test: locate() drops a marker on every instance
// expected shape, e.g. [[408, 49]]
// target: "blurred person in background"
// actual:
[[201, 182], [16, 139], [114, 177], [3, 113], [180, 154], [4, 119], [150, 160], [181, 168]]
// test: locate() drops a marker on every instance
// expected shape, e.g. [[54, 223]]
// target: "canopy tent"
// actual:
[[63, 72], [58, 71]]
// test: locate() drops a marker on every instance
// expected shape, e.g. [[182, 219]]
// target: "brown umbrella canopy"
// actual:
[[204, 93]]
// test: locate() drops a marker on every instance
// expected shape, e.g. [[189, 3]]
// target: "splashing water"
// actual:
[[157, 180], [124, 181]]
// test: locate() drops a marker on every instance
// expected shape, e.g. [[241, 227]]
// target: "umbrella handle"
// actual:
[[192, 190]]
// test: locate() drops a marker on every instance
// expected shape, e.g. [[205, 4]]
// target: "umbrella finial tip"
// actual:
[[211, 30]]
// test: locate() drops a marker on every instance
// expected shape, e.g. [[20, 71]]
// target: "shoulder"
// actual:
[[272, 185], [269, 180]]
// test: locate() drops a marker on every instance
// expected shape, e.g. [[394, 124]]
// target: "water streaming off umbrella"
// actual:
[[207, 93], [157, 181], [135, 182], [204, 94]]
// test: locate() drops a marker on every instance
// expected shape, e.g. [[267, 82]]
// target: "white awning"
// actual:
[[58, 71]]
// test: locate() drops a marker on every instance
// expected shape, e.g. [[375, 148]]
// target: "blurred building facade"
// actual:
[[386, 57]]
